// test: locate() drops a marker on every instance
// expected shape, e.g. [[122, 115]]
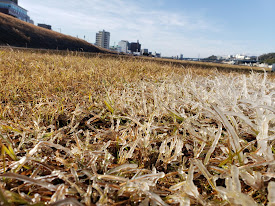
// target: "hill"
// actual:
[[15, 32], [267, 58]]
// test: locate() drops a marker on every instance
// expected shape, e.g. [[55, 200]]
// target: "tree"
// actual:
[[213, 57]]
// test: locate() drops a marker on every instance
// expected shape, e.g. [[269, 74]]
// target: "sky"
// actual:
[[194, 28]]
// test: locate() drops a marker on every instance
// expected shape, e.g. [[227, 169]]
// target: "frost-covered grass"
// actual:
[[107, 131]]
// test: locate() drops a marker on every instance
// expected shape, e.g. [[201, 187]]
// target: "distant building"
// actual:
[[115, 48], [123, 44], [103, 39], [134, 47], [144, 52], [240, 57], [118, 49], [230, 57], [12, 8], [159, 55], [273, 67], [263, 65], [46, 26]]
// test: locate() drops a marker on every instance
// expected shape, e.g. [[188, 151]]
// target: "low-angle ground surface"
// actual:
[[110, 131]]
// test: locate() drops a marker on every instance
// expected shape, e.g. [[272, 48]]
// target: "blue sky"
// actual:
[[172, 27]]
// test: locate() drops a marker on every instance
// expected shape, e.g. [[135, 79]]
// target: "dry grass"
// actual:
[[209, 65], [106, 131]]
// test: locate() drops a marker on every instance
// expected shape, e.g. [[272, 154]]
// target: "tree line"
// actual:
[[267, 58]]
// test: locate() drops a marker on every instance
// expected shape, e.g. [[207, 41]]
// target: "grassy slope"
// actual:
[[105, 130], [15, 32]]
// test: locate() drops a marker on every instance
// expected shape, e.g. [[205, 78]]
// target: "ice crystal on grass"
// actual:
[[120, 131], [185, 189], [232, 193], [271, 194]]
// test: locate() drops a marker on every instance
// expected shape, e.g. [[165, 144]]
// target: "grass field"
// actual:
[[115, 131]]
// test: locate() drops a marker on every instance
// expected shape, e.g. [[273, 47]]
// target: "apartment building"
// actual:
[[103, 39]]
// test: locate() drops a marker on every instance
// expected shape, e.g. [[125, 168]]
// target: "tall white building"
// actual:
[[123, 45], [103, 39]]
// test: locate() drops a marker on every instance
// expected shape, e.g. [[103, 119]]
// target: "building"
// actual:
[[159, 55], [273, 67], [241, 57], [115, 48], [144, 52], [12, 8], [123, 44], [103, 39], [134, 47], [46, 26]]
